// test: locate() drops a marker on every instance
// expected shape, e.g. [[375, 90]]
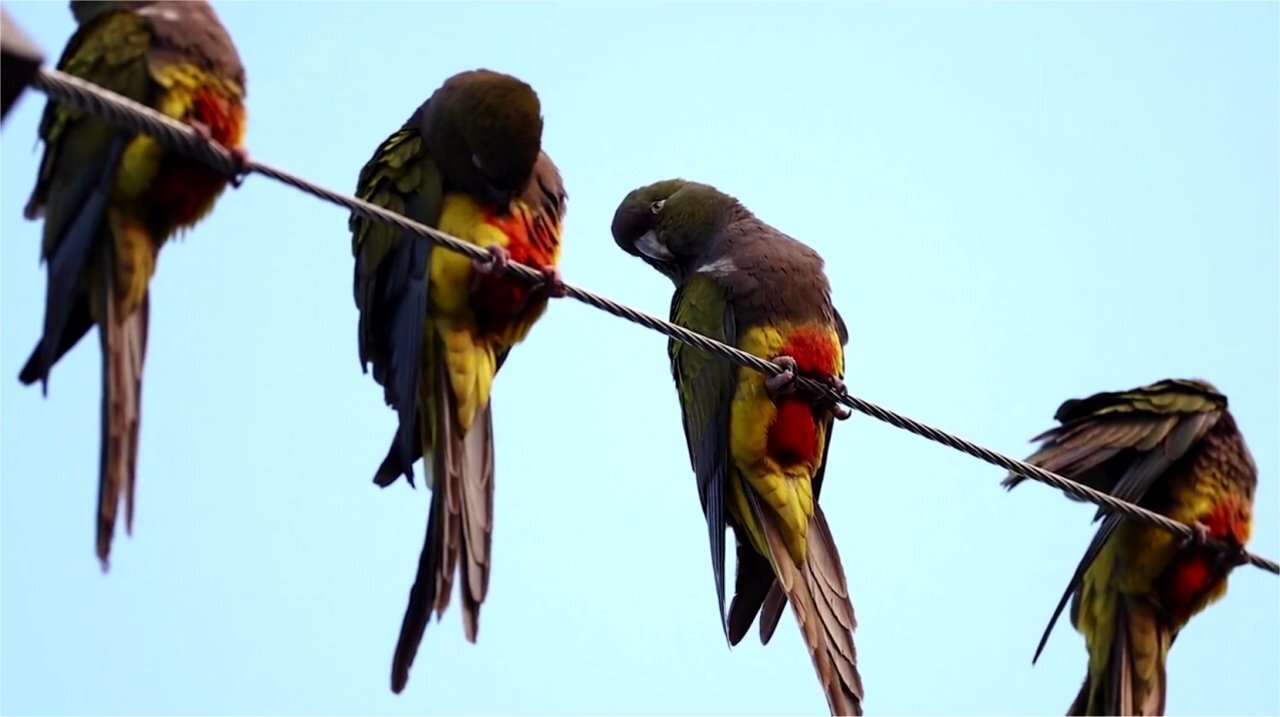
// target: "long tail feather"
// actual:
[[1132, 681], [461, 521], [124, 346], [422, 597], [771, 612], [432, 583], [820, 602], [476, 492]]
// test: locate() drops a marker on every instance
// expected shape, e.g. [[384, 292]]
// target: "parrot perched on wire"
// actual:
[[437, 326], [757, 448], [110, 199], [1174, 448]]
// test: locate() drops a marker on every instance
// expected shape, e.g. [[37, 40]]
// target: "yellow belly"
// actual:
[[785, 490], [471, 360]]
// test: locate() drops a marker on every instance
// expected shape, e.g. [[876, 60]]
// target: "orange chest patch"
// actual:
[[224, 119], [532, 240], [532, 237], [794, 437], [184, 188]]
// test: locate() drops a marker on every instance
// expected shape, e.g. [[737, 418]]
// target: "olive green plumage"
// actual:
[[744, 283], [468, 161], [479, 134], [1171, 447], [110, 200]]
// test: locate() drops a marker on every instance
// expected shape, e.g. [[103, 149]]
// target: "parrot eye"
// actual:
[[475, 159], [656, 207]]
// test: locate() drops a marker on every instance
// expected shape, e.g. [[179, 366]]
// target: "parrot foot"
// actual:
[[201, 129], [1232, 557], [497, 262], [240, 155], [839, 410], [784, 383], [552, 284], [1200, 535], [1235, 558]]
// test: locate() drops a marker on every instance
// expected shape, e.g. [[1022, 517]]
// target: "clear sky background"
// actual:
[[1018, 203]]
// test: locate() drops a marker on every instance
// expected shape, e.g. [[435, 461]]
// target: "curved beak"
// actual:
[[649, 246]]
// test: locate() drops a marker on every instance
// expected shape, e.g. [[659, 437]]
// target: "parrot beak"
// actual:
[[649, 246]]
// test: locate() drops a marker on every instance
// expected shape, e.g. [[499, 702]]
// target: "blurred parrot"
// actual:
[[437, 326], [110, 199], [1171, 447], [757, 448]]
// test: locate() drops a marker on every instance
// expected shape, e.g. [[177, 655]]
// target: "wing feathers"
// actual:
[[752, 585], [67, 268], [1122, 443]]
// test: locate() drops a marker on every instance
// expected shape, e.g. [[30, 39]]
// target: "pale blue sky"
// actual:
[[1018, 203]]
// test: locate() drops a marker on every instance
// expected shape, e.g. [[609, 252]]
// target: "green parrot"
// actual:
[[758, 449], [111, 199], [437, 326], [1174, 448]]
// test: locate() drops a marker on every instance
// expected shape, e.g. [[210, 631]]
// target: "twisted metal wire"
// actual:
[[181, 138]]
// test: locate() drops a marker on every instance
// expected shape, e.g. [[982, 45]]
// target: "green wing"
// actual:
[[1122, 443], [706, 384], [391, 283], [76, 174]]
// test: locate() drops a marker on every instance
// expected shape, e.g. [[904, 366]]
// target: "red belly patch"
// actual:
[[1196, 572], [532, 241], [184, 187], [793, 435]]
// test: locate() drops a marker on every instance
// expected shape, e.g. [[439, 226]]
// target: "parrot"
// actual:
[[758, 448], [436, 326], [110, 199], [1174, 448]]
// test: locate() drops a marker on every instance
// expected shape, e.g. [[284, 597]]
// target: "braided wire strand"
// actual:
[[179, 137]]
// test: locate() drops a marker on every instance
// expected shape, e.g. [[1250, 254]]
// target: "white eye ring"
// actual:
[[475, 159], [656, 207]]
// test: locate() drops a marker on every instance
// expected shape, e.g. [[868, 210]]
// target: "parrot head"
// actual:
[[485, 130], [85, 10], [672, 224]]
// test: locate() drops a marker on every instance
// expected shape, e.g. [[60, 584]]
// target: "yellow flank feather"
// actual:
[[135, 260], [787, 491], [138, 168], [1128, 568], [451, 272], [471, 363], [471, 366], [141, 159]]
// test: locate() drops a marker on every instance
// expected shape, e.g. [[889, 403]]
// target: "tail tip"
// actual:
[[399, 678], [470, 624]]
